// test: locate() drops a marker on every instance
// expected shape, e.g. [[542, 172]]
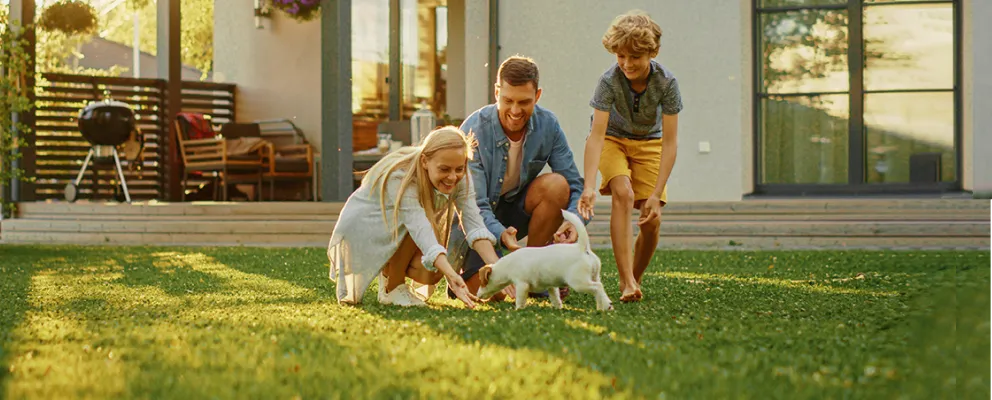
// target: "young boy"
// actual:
[[632, 143]]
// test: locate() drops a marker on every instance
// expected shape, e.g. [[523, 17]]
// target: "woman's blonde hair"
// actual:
[[633, 32], [411, 160]]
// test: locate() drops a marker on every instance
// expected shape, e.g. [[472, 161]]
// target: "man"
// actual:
[[517, 139]]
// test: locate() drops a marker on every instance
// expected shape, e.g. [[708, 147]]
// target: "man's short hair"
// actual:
[[518, 70]]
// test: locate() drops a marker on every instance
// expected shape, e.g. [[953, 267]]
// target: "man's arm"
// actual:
[[477, 172], [563, 162]]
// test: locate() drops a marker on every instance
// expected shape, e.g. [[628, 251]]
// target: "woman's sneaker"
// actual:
[[382, 287], [402, 296]]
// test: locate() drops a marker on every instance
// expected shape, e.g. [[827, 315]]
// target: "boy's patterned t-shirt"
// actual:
[[613, 94]]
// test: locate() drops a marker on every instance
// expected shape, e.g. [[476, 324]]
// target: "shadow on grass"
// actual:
[[303, 267], [164, 268], [237, 352], [16, 269], [167, 270]]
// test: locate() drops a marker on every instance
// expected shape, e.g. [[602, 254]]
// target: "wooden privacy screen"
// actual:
[[61, 149]]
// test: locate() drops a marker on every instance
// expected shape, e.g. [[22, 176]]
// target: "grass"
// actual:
[[99, 322]]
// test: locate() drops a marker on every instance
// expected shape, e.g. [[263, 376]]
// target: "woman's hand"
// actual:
[[460, 289]]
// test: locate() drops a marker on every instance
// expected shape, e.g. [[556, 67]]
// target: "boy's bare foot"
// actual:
[[632, 296]]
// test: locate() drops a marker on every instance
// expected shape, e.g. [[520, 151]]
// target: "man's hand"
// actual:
[[566, 233], [510, 292], [586, 203], [509, 239], [460, 289], [650, 210]]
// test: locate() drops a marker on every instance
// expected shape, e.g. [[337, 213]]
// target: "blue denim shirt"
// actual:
[[545, 145]]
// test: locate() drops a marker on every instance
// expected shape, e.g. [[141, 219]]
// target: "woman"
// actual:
[[396, 225]]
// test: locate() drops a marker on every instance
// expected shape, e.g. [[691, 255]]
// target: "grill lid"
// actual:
[[106, 123]]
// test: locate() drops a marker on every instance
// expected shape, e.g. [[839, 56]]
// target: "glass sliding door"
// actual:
[[423, 43], [804, 106], [856, 96], [909, 93], [370, 70], [405, 38]]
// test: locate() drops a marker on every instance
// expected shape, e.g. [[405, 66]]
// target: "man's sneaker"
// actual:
[[562, 291], [402, 296]]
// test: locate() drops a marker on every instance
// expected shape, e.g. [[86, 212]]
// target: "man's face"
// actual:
[[515, 105]]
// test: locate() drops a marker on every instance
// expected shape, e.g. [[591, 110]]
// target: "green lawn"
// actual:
[[192, 323]]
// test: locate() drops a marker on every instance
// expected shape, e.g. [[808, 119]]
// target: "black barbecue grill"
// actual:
[[105, 125]]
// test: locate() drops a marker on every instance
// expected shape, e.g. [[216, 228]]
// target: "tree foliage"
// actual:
[[197, 27], [14, 63], [816, 42]]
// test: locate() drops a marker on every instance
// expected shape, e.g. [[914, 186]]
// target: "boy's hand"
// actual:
[[586, 203], [509, 239], [650, 210]]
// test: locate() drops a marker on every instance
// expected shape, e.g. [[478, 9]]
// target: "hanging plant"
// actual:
[[71, 17], [300, 10]]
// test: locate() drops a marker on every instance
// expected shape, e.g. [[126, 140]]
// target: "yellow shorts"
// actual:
[[638, 160]]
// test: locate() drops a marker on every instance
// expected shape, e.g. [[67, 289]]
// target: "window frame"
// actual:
[[856, 184]]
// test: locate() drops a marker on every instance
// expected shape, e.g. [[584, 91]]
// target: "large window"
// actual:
[[856, 96], [407, 38]]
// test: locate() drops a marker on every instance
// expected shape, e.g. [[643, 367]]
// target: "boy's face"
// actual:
[[515, 105], [635, 66]]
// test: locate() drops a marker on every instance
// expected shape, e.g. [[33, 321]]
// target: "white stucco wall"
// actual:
[[468, 55], [712, 69], [977, 59], [277, 69]]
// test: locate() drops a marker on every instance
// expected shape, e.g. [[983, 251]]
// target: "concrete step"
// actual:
[[887, 207], [599, 242], [832, 223], [596, 228]]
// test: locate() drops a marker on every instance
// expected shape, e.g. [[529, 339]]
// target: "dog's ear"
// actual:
[[484, 275]]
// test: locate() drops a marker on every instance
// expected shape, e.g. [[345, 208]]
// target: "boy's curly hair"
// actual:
[[633, 32]]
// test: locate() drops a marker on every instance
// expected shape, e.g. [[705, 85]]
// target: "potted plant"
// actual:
[[300, 10], [70, 17]]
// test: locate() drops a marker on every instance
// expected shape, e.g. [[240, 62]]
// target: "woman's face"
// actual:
[[445, 168]]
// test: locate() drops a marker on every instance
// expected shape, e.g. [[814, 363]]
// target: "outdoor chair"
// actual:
[[286, 156], [213, 155]]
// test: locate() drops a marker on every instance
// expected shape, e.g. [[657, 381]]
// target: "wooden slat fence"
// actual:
[[61, 149]]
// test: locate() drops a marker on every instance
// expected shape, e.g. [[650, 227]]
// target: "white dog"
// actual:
[[532, 269]]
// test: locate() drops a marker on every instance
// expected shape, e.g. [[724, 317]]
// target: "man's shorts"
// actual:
[[638, 160], [509, 212]]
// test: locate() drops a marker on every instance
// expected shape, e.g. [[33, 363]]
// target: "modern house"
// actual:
[[782, 97]]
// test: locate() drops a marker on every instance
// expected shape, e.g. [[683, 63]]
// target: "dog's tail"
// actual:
[[580, 229]]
